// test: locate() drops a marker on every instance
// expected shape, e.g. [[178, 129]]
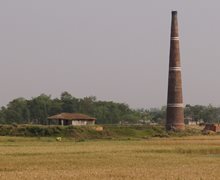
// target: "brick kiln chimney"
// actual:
[[175, 109]]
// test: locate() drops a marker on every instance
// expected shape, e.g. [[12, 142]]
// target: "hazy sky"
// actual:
[[113, 49]]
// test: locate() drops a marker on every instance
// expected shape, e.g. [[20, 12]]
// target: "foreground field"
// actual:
[[156, 158]]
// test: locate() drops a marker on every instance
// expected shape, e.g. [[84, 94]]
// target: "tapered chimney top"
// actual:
[[174, 13]]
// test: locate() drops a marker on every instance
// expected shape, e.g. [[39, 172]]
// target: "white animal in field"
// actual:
[[58, 138]]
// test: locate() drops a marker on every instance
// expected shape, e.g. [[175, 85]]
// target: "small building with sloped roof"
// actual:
[[75, 119]]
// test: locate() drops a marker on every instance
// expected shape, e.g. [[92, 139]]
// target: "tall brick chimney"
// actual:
[[175, 109]]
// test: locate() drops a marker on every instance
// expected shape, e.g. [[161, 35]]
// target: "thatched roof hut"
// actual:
[[73, 119]]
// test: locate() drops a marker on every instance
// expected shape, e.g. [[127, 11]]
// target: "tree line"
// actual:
[[38, 109], [195, 113]]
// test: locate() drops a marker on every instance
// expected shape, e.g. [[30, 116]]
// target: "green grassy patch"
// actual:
[[82, 133]]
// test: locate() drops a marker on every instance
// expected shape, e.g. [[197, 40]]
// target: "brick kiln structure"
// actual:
[[212, 127], [175, 109]]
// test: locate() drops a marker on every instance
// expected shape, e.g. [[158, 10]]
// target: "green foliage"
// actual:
[[69, 103], [37, 110], [208, 114]]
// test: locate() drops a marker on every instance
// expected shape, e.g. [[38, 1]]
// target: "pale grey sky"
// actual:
[[113, 49]]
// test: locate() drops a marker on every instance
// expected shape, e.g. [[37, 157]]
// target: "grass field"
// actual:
[[187, 158]]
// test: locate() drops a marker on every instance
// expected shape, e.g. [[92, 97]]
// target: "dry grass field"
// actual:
[[156, 158]]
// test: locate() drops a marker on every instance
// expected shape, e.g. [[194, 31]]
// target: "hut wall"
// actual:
[[90, 122], [79, 122], [82, 122]]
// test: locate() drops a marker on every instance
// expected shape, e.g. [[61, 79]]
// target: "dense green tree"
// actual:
[[39, 108], [87, 105], [17, 110], [69, 103]]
